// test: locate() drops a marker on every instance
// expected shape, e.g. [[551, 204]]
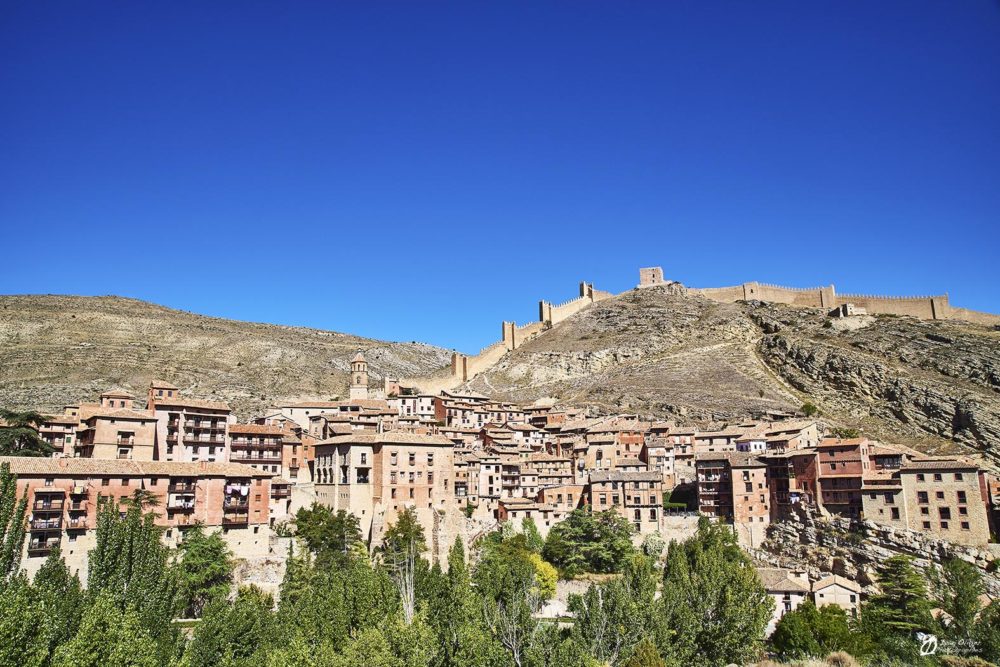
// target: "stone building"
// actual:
[[359, 378], [732, 487], [189, 429], [946, 498], [788, 589], [377, 475], [637, 496], [65, 494]]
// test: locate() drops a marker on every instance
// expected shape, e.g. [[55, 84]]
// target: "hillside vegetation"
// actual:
[[56, 350]]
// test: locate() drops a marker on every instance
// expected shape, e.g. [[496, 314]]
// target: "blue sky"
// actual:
[[422, 171]]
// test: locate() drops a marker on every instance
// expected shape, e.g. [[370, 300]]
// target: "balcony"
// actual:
[[281, 492], [206, 425], [53, 524], [76, 523], [179, 505], [235, 519], [54, 505], [128, 442], [201, 440], [78, 506], [78, 491], [236, 505], [42, 547], [249, 458]]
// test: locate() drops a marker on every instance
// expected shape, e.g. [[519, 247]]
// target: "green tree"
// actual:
[[589, 542], [62, 599], [403, 537], [810, 632], [506, 579], [713, 609], [645, 655], [891, 618], [232, 632], [109, 636], [23, 625], [331, 537], [532, 538], [986, 632], [129, 565], [809, 409], [12, 525], [957, 587], [204, 571], [19, 434]]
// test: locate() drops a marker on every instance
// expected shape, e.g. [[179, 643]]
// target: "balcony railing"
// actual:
[[42, 548], [125, 441], [79, 491], [181, 487], [281, 492], [48, 505], [47, 524], [235, 519], [248, 458], [180, 506], [219, 426], [201, 440], [78, 506], [234, 505], [76, 523]]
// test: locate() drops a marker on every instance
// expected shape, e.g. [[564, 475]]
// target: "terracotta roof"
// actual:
[[391, 437], [623, 476], [119, 413], [846, 442], [117, 393], [736, 459], [157, 384], [191, 403], [836, 580], [61, 419], [358, 357], [256, 429], [938, 464], [31, 465], [776, 579]]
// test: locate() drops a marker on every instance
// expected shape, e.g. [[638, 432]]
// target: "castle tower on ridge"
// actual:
[[359, 377]]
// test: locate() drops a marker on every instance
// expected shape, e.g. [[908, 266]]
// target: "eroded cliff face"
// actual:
[[660, 351], [896, 376]]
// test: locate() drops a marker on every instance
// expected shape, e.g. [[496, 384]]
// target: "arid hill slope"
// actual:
[[935, 385], [56, 350]]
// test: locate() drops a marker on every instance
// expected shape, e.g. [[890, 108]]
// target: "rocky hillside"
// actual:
[[933, 385], [56, 350]]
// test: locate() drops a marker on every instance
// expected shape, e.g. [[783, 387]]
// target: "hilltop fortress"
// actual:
[[464, 367]]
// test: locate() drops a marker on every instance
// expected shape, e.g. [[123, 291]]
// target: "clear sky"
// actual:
[[424, 170]]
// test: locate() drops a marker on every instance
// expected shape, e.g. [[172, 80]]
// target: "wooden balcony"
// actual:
[[235, 519]]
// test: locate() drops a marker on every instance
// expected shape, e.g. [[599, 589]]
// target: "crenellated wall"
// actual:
[[464, 367], [922, 307]]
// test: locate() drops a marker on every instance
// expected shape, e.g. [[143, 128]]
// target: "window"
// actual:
[[392, 458], [364, 458], [895, 513], [921, 496], [939, 495], [964, 511], [961, 496], [392, 493], [925, 511], [749, 487], [412, 458], [944, 525], [430, 459], [958, 477], [927, 525], [945, 512], [937, 477], [920, 476], [411, 492], [965, 525], [125, 481]]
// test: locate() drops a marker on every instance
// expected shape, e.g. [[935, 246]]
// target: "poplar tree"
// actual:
[[12, 525]]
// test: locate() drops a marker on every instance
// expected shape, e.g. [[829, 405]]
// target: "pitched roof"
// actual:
[[36, 465], [624, 476], [836, 580], [938, 464], [388, 438], [256, 429], [780, 579], [735, 459], [178, 402]]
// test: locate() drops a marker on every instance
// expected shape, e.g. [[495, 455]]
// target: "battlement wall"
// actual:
[[512, 336]]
